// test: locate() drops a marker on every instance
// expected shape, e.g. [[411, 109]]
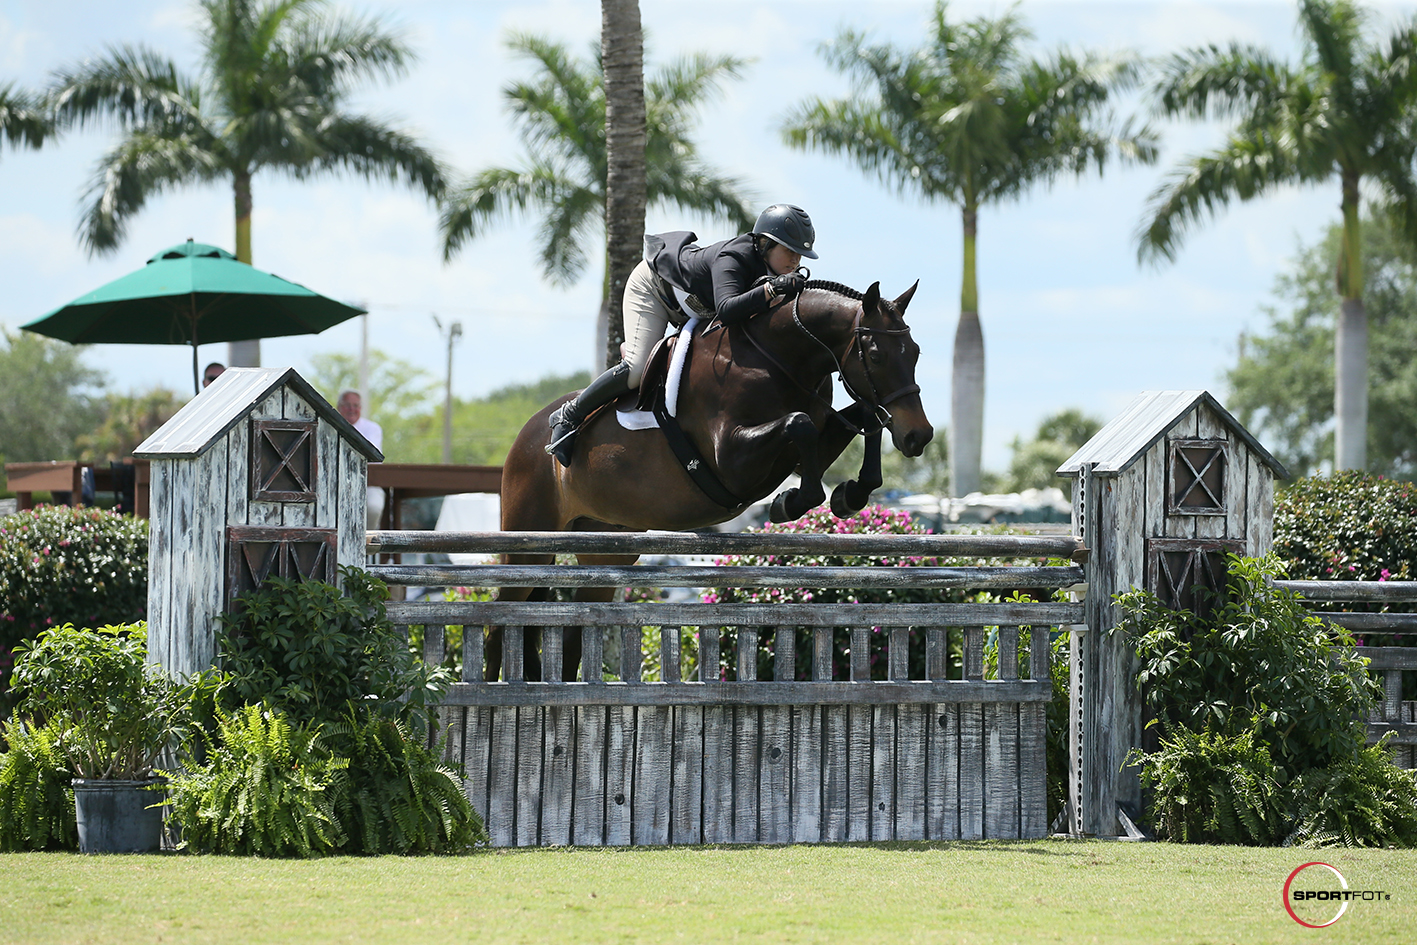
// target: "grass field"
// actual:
[[1048, 891]]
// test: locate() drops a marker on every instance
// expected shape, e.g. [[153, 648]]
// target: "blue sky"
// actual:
[[1070, 318]]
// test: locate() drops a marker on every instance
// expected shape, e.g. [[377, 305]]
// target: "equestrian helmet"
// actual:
[[783, 223]]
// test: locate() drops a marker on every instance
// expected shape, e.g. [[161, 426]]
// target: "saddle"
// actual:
[[656, 375]]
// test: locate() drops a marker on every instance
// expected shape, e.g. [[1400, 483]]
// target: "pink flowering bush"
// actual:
[[62, 565], [1347, 527], [874, 520]]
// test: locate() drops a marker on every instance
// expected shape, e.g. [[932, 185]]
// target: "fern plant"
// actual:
[[396, 797], [36, 805], [1213, 788], [1365, 801], [265, 790]]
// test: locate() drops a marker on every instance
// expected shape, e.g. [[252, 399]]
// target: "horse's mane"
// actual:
[[836, 287]]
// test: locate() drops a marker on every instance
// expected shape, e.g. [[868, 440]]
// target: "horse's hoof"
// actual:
[[778, 512], [840, 507]]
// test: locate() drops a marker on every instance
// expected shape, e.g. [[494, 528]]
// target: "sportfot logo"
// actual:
[[1316, 895]]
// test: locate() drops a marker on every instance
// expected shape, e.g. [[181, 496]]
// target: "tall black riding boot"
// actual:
[[568, 417]]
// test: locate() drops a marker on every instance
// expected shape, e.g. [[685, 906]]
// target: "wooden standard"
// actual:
[[721, 756]]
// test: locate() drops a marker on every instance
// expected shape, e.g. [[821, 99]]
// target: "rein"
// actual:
[[876, 402]]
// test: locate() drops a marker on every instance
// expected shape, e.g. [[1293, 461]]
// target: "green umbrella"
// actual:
[[188, 292]]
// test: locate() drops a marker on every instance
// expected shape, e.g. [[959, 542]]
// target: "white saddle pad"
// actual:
[[644, 419]]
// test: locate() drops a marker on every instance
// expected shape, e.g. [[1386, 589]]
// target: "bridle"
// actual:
[[876, 403]]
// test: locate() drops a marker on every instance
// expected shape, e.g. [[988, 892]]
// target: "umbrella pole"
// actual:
[[196, 384]]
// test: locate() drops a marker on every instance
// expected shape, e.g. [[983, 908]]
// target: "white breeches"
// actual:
[[645, 320]]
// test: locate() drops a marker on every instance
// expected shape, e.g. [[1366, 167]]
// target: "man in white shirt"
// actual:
[[351, 408]]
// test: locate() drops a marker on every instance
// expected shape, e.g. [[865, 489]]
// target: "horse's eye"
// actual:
[[874, 353]]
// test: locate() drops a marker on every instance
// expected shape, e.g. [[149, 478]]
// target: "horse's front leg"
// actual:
[[756, 446], [851, 496]]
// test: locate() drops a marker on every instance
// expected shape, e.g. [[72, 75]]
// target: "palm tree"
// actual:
[[622, 52], [561, 119], [1347, 111], [271, 95], [967, 119], [23, 122]]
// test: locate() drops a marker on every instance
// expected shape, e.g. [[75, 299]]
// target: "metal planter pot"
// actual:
[[117, 816]]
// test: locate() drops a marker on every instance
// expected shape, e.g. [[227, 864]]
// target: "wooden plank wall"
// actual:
[[607, 775]]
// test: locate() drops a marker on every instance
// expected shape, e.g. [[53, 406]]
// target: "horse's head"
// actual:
[[880, 369]]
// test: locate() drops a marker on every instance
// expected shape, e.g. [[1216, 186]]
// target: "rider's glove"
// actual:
[[785, 286]]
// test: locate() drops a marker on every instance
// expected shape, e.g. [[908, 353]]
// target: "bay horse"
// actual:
[[755, 400]]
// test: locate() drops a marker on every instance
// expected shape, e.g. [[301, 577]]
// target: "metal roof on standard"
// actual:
[[210, 415], [1127, 437]]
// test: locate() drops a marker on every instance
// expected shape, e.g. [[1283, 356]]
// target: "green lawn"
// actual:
[[1046, 891]]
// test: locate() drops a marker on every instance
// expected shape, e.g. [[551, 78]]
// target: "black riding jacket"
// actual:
[[721, 273]]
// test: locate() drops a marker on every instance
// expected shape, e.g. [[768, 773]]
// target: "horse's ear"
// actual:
[[872, 298], [906, 296]]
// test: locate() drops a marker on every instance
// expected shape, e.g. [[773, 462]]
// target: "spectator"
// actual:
[[351, 407], [212, 372]]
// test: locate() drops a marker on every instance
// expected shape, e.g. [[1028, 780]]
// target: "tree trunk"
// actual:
[[967, 387], [622, 51], [243, 353], [1350, 381]]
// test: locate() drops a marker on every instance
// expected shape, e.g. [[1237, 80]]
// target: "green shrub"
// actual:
[[115, 714], [1363, 801], [36, 805], [265, 790], [1212, 788], [1258, 662], [396, 796], [1347, 527], [308, 649], [63, 565]]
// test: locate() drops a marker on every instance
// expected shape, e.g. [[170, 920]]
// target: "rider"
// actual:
[[723, 278]]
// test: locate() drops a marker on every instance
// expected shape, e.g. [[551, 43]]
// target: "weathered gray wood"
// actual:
[[1008, 652], [566, 575], [806, 774], [588, 807], [686, 795], [936, 653], [822, 653], [942, 807], [551, 654], [632, 657], [1405, 624], [238, 485], [718, 774], [1177, 525], [327, 442], [910, 767], [860, 654], [653, 774], [530, 745], [836, 786], [735, 615], [619, 773], [161, 568], [1210, 426], [1382, 591], [1033, 762], [1245, 466], [476, 756], [593, 655], [1001, 781], [898, 655], [761, 692], [502, 778], [433, 644], [695, 543], [353, 500], [1390, 657], [513, 639], [1039, 651], [775, 782], [1261, 518], [747, 767], [746, 645], [558, 777], [883, 772], [974, 653], [784, 654], [858, 772], [472, 654], [709, 658], [669, 655], [971, 771]]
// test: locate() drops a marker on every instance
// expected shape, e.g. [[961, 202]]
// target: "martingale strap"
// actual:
[[692, 460]]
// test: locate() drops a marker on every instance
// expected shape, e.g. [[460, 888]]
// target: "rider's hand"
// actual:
[[785, 286]]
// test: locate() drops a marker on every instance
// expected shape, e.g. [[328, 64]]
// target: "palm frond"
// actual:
[[374, 151], [1215, 82], [143, 165], [132, 85], [571, 222], [490, 196], [327, 53], [23, 121], [695, 188]]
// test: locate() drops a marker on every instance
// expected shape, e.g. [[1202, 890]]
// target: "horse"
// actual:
[[755, 400]]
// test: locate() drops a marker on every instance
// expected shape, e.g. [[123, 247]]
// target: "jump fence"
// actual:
[[725, 756]]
